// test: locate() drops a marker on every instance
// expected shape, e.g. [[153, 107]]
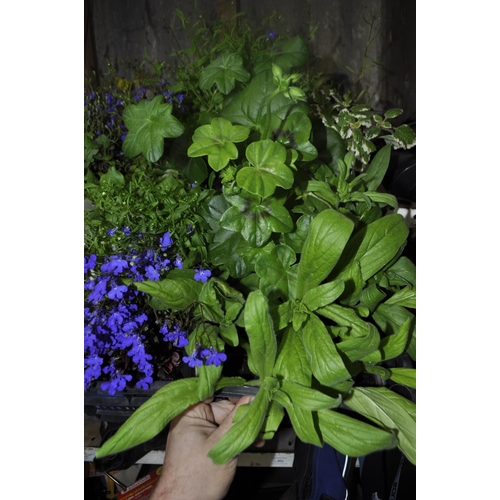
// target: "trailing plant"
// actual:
[[307, 275]]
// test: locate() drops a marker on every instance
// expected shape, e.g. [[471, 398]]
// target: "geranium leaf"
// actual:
[[148, 124], [223, 72], [217, 142], [268, 170], [152, 416], [286, 54]]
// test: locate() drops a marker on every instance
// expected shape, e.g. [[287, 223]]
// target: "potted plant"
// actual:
[[273, 239]]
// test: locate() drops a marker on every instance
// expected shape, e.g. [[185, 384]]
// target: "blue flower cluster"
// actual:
[[115, 314], [117, 317]]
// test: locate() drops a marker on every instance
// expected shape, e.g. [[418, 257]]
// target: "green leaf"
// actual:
[[244, 432], [217, 142], [256, 220], [148, 124], [392, 346], [328, 234], [402, 272], [358, 347], [323, 295], [208, 303], [353, 437], [273, 270], [371, 296], [295, 132], [251, 106], [286, 54], [229, 334], [308, 399], [227, 249], [403, 137], [224, 72], [390, 410], [175, 294], [304, 425], [112, 178], [296, 239], [405, 376], [260, 330], [406, 297], [372, 247], [268, 169], [272, 421], [152, 416], [326, 363], [377, 169], [291, 364], [345, 316]]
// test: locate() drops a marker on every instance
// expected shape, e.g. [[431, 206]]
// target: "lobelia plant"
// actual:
[[299, 262]]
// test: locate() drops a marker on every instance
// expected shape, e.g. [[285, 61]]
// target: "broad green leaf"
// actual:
[[390, 317], [387, 199], [175, 294], [224, 72], [328, 234], [304, 425], [229, 382], [256, 220], [267, 171], [371, 296], [244, 432], [377, 169], [208, 375], [296, 239], [323, 295], [291, 363], [372, 247], [217, 142], [260, 330], [273, 270], [392, 346], [405, 376], [351, 436], [227, 249], [307, 398], [402, 272], [285, 54], [405, 297], [361, 346], [295, 133], [389, 410], [250, 106], [326, 363], [345, 316], [208, 304], [229, 334], [148, 124], [152, 416]]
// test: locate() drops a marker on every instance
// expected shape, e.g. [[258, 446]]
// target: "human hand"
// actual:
[[188, 473]]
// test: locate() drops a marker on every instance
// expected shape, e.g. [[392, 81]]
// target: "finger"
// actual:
[[221, 410], [227, 423]]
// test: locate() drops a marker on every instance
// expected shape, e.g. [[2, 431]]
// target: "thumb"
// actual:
[[227, 423]]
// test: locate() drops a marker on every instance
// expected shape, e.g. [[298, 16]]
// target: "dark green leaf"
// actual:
[[273, 269], [148, 124], [177, 294], [328, 234], [378, 168]]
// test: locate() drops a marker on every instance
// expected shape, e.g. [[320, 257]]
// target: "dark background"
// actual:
[[117, 31]]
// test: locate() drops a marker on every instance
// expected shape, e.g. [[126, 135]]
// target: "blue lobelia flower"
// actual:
[[165, 241], [212, 357], [193, 360], [202, 274]]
